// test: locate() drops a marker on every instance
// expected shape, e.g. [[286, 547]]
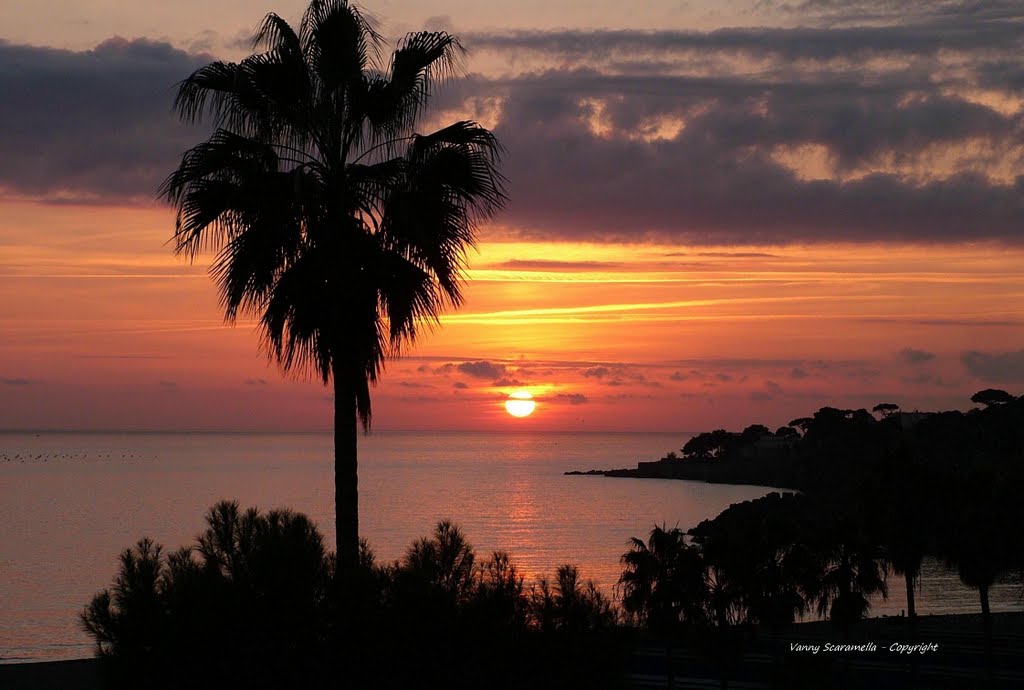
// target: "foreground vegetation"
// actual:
[[913, 485], [879, 494], [257, 602]]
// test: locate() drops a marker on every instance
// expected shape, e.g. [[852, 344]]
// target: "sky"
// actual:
[[722, 213]]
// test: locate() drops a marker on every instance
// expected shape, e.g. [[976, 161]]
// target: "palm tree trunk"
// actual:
[[915, 662], [911, 610], [986, 625], [346, 486], [669, 668]]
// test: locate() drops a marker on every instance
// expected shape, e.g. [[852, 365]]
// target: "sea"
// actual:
[[71, 502]]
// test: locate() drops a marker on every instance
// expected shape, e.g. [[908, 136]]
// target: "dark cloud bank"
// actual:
[[879, 99], [94, 124]]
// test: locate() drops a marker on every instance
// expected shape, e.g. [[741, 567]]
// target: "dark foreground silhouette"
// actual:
[[878, 495], [256, 604]]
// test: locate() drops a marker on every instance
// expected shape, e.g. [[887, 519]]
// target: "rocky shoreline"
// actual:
[[764, 474]]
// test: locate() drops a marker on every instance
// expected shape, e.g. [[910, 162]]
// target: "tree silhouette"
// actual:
[[758, 545], [978, 539], [852, 570], [802, 423], [124, 619], [336, 225], [992, 396], [568, 604], [754, 432], [443, 564], [245, 607], [787, 432], [662, 583], [899, 502]]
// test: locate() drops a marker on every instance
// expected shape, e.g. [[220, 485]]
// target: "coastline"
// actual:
[[762, 474]]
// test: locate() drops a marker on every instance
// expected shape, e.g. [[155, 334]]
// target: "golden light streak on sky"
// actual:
[[104, 328]]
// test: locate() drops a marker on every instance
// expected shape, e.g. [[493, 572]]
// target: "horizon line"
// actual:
[[265, 432]]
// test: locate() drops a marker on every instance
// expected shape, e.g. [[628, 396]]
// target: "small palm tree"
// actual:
[[978, 539], [332, 222], [662, 583], [853, 569]]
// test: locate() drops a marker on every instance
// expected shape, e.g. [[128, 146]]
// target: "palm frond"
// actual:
[[275, 33], [340, 44], [408, 296], [422, 60]]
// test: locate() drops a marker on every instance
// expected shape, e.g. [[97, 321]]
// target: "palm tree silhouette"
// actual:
[[662, 583], [336, 225], [903, 503], [977, 540], [853, 569]]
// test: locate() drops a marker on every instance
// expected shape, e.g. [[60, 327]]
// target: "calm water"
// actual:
[[69, 503]]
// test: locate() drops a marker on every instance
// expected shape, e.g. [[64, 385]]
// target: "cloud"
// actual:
[[16, 381], [414, 384], [92, 124], [614, 374], [255, 382], [726, 177], [439, 22], [506, 381], [736, 255], [835, 131], [770, 392], [168, 385], [839, 31], [460, 385], [956, 323], [859, 11], [798, 373], [569, 398], [550, 265], [850, 128], [1004, 367], [678, 376], [481, 370], [925, 379], [909, 355]]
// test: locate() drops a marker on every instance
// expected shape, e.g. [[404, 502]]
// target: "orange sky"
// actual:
[[104, 328], [723, 213]]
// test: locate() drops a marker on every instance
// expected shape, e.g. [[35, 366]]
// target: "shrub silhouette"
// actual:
[[251, 607], [125, 619], [257, 603]]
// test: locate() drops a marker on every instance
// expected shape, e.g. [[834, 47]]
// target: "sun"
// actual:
[[520, 404]]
